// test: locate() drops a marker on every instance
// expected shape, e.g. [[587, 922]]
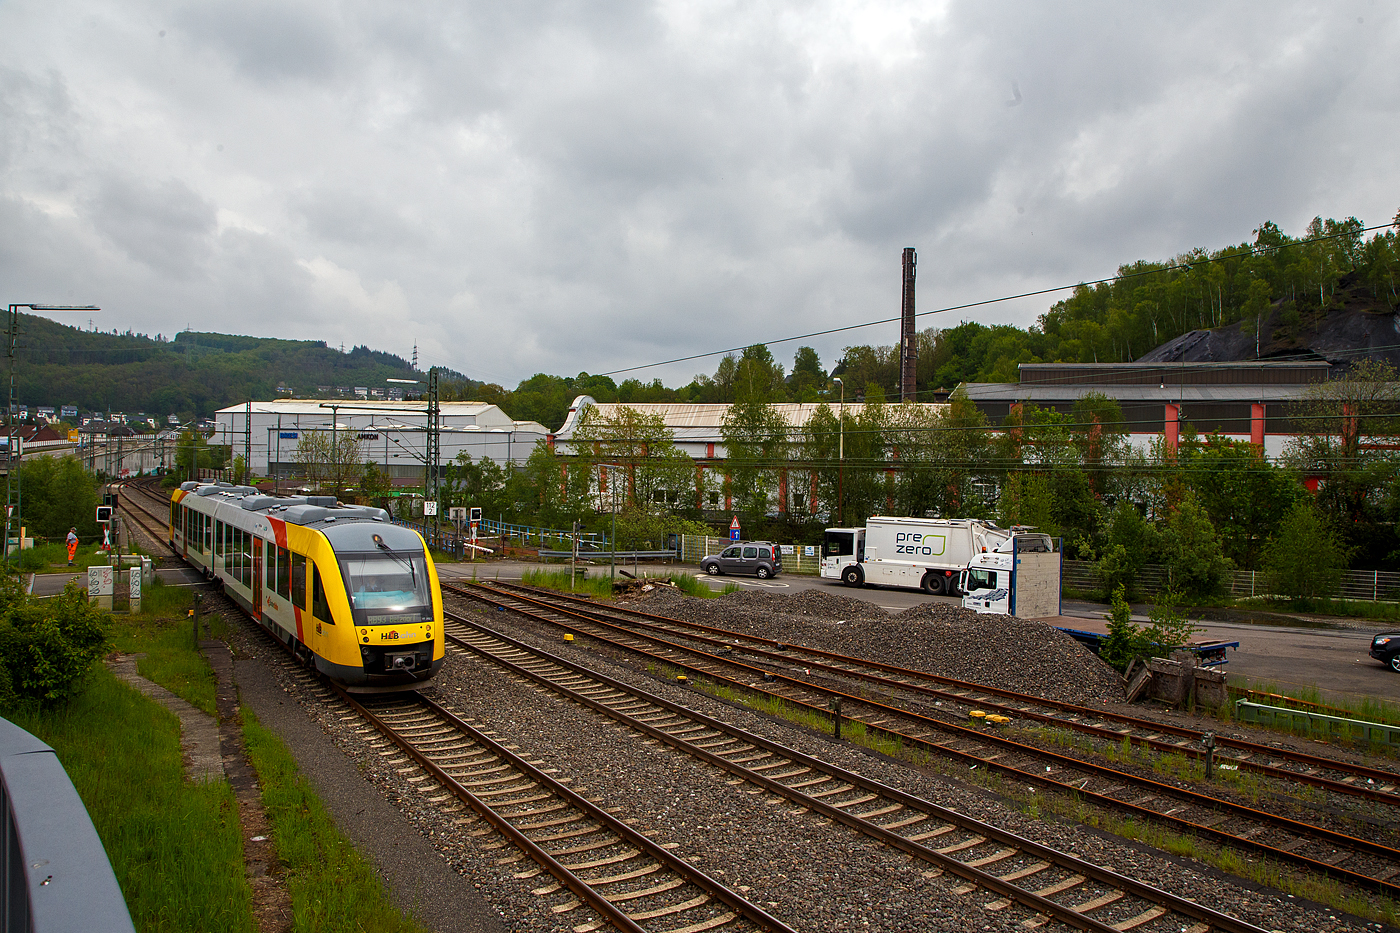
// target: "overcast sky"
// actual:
[[537, 186]]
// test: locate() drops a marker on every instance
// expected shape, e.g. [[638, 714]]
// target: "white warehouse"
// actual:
[[393, 435]]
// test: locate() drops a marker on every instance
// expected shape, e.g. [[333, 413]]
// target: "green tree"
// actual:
[[1129, 541], [1244, 494], [1190, 549], [655, 471], [1306, 556], [1348, 444], [194, 448], [757, 446], [468, 483], [57, 493]]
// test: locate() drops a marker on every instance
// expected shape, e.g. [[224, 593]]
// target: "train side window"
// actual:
[[208, 534], [219, 528], [284, 573], [299, 581], [250, 543], [320, 606]]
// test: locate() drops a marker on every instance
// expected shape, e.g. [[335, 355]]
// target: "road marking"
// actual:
[[724, 583]]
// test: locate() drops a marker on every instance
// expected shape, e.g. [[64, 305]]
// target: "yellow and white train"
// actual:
[[342, 587]]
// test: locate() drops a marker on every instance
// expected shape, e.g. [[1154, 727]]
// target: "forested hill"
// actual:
[[1331, 292], [193, 375]]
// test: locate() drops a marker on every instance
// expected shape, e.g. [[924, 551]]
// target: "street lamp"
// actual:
[[12, 339], [841, 456]]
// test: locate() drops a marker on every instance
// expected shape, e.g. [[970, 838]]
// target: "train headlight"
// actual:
[[366, 639]]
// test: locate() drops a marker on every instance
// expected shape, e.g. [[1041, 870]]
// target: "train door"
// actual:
[[257, 576]]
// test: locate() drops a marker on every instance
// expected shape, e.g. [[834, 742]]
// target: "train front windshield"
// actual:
[[388, 587]]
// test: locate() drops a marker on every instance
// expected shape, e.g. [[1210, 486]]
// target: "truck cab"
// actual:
[[843, 549], [990, 584]]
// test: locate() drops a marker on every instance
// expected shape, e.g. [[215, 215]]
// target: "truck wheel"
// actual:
[[851, 576], [933, 584]]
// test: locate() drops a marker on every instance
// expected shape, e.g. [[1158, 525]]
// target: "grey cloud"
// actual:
[[588, 186], [359, 218], [267, 40], [163, 224]]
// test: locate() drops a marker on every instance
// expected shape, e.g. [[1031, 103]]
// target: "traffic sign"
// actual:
[[734, 523], [734, 534]]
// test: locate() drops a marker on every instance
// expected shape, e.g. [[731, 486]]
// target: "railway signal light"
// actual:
[[104, 514]]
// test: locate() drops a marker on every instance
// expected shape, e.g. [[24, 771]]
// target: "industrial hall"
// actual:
[[391, 434]]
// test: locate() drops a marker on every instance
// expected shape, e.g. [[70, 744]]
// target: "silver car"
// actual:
[[762, 559]]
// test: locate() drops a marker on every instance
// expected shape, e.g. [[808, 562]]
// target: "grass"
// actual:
[[175, 846], [53, 558], [332, 887], [162, 633]]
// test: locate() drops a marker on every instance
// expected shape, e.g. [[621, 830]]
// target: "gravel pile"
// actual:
[[936, 637]]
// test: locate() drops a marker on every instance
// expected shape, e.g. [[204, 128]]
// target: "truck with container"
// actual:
[[917, 553], [1019, 577]]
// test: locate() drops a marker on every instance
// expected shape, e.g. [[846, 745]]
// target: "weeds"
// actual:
[[563, 582]]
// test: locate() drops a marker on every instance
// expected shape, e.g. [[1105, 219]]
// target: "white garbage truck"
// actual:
[[1019, 577], [918, 553]]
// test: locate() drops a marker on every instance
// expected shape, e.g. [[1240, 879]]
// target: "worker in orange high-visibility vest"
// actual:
[[72, 545]]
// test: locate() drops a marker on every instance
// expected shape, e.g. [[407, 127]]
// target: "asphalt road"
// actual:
[[1332, 660]]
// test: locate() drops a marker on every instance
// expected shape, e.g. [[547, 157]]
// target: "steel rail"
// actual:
[[155, 532], [1155, 788], [780, 650], [963, 870], [582, 889]]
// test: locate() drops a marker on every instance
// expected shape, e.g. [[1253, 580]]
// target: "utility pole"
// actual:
[[248, 441], [434, 445]]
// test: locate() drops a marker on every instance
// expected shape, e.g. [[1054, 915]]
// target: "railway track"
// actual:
[[149, 512], [1339, 777], [1360, 862], [1012, 872], [594, 868], [603, 865]]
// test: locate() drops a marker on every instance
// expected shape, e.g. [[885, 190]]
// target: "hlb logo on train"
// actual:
[[388, 636], [931, 545]]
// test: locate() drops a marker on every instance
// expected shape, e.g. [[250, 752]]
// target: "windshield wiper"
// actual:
[[412, 573]]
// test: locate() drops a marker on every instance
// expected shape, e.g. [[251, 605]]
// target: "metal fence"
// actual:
[[1368, 585], [54, 873]]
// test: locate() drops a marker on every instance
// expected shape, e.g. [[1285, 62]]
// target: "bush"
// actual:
[[1127, 641], [47, 647]]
